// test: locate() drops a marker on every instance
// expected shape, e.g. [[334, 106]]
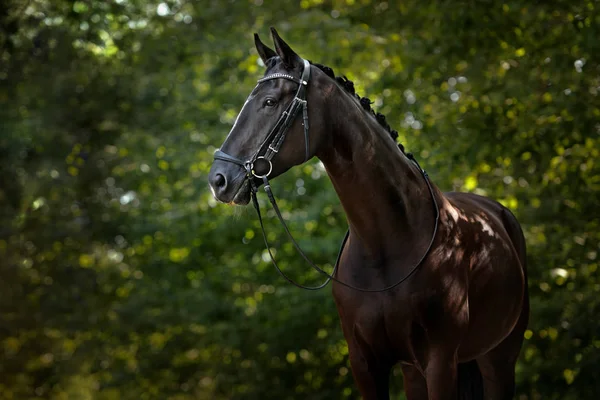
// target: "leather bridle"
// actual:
[[272, 143], [269, 147]]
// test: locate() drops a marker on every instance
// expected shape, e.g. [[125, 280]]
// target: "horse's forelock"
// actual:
[[271, 62]]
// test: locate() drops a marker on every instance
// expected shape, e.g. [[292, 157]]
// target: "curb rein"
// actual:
[[270, 146]]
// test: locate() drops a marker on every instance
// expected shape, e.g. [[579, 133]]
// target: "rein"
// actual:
[[271, 146]]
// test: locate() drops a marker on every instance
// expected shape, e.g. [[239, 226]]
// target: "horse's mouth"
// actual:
[[242, 197]]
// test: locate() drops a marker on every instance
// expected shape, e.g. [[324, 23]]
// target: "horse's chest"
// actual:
[[377, 323]]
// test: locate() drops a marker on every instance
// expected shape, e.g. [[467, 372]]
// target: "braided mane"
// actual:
[[365, 102], [348, 85]]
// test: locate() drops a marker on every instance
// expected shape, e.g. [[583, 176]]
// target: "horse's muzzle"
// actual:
[[228, 183]]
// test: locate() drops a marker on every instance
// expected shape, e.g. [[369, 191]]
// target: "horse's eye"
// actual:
[[270, 103]]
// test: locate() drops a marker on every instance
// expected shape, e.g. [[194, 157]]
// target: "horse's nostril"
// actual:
[[220, 180]]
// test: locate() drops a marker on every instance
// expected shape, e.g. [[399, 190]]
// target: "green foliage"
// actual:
[[121, 278]]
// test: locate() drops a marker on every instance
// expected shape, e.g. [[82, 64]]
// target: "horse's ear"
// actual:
[[263, 51], [287, 55]]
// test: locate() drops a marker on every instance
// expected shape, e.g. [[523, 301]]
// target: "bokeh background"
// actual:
[[120, 276]]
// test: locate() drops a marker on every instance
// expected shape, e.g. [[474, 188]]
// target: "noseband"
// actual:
[[270, 146], [272, 143]]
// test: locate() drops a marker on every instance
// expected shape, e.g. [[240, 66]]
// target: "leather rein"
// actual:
[[270, 147]]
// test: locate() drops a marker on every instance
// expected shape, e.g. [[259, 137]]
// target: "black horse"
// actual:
[[441, 277]]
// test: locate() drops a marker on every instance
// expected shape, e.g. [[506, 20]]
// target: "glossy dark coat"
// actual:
[[459, 320]]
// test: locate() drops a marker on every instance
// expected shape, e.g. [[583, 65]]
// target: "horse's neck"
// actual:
[[383, 193]]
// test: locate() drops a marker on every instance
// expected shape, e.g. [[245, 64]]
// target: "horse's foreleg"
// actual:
[[441, 374], [371, 378], [415, 385]]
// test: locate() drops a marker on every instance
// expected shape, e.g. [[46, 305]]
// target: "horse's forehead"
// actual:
[[277, 68]]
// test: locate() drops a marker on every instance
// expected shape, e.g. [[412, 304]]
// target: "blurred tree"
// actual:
[[121, 278]]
